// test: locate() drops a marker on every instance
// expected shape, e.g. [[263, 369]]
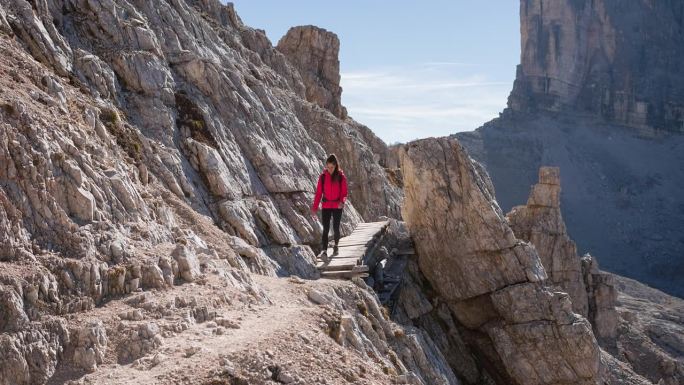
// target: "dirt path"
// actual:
[[199, 349], [285, 341]]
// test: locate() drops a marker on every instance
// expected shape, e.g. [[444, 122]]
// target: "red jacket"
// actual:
[[335, 192]]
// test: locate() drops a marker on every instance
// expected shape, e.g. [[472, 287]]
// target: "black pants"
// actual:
[[336, 216]]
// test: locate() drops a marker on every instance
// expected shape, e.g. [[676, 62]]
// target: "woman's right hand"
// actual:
[[313, 212]]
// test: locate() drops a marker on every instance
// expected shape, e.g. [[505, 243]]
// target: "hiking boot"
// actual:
[[335, 250], [324, 256]]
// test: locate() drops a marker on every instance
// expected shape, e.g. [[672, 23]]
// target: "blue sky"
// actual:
[[411, 69]]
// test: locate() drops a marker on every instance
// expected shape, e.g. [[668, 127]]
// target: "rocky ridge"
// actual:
[[137, 156]]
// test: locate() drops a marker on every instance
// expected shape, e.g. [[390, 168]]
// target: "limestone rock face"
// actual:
[[540, 223], [128, 128], [4, 26], [601, 300], [610, 59], [471, 217], [314, 52], [650, 331], [219, 122], [13, 316], [90, 345], [491, 281]]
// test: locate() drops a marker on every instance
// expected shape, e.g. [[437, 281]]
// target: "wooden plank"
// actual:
[[342, 275], [368, 234], [338, 266], [373, 223], [360, 236], [366, 231], [363, 233], [352, 249], [348, 247], [337, 262], [358, 243], [368, 227], [346, 257], [361, 248], [345, 253], [380, 223], [343, 262], [372, 227], [354, 240], [357, 271]]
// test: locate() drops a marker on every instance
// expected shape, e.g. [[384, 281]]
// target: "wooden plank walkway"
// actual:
[[349, 261]]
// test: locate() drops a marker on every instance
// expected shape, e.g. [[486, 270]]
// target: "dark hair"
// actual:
[[333, 159]]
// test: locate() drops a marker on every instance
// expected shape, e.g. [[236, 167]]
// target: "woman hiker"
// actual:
[[332, 188]]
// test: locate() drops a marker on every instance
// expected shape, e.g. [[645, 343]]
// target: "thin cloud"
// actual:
[[447, 63], [409, 102]]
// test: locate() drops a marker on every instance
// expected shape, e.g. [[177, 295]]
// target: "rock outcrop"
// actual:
[[635, 347], [4, 26], [492, 282], [540, 223], [314, 52]]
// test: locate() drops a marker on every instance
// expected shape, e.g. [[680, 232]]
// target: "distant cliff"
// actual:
[[599, 93], [619, 60]]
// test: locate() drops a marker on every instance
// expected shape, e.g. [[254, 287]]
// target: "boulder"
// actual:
[[81, 203], [188, 264], [12, 315], [444, 191], [90, 345], [602, 297]]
